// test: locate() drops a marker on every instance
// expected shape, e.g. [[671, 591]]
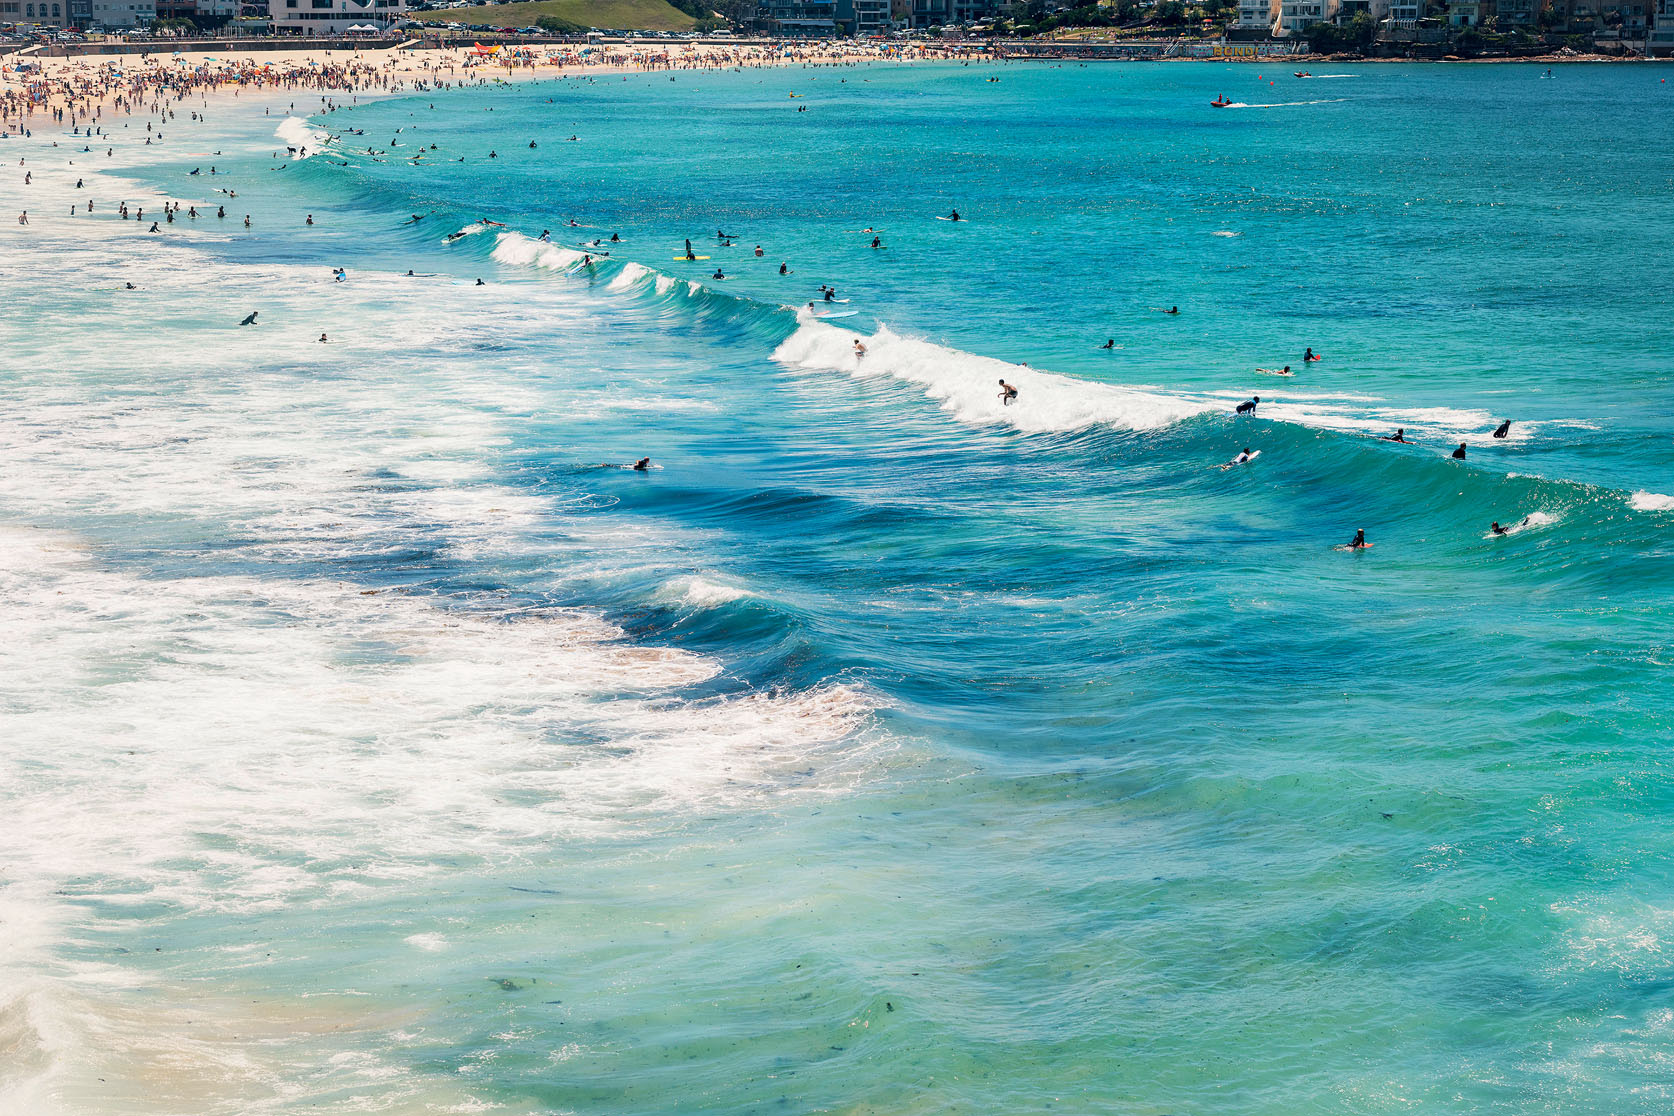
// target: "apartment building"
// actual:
[[1296, 15], [332, 17], [1257, 15]]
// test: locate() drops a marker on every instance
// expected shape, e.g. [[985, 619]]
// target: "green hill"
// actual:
[[638, 15]]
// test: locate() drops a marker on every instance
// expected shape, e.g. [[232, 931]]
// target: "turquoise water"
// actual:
[[378, 743]]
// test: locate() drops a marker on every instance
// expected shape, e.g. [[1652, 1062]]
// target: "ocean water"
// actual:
[[373, 740]]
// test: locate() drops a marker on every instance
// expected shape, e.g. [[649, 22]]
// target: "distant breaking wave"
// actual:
[[298, 133]]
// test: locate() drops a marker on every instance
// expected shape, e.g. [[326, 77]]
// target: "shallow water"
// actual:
[[375, 741]]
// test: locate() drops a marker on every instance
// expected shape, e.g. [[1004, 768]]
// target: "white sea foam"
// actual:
[[1651, 501], [525, 251], [1528, 523], [701, 592], [298, 133], [630, 275], [967, 385], [293, 736]]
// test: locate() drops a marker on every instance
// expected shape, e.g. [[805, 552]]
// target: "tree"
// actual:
[[552, 25]]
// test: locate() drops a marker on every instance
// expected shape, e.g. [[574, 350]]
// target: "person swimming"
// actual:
[[323, 339], [251, 320], [1309, 355], [1498, 530], [1459, 454], [480, 283], [1359, 542], [1503, 430], [1285, 371], [784, 269], [1172, 310], [1247, 407], [1400, 435], [1241, 459], [1110, 344], [1007, 393], [877, 242], [954, 216], [759, 252], [718, 274], [642, 465]]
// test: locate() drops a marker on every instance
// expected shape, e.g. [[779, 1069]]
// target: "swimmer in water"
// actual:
[[642, 465], [718, 274], [1110, 344], [1309, 355], [877, 242], [323, 339], [1007, 393], [480, 283], [1503, 430], [954, 216], [251, 320], [1240, 459], [1498, 530], [1359, 542], [1285, 371], [759, 252], [1400, 435], [1459, 454], [784, 269], [1247, 407]]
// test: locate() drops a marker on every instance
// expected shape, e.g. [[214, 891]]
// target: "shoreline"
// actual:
[[81, 87]]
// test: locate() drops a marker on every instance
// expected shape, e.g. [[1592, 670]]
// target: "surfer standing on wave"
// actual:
[[1007, 393]]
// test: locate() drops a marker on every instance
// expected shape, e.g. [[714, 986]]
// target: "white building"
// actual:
[[1659, 36], [1405, 13], [1254, 15], [120, 14], [333, 17], [1296, 15]]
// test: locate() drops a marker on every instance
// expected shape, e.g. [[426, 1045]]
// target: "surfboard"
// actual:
[[839, 314], [691, 257], [1345, 546], [961, 220]]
